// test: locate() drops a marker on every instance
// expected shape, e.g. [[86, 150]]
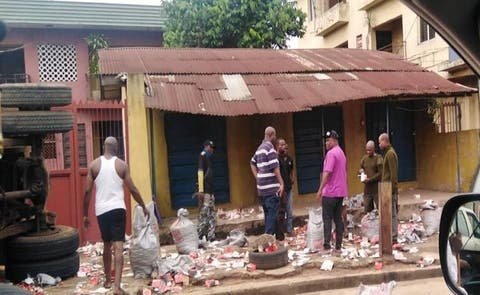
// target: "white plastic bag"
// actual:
[[371, 225], [315, 229], [431, 220], [184, 233], [382, 289], [145, 247]]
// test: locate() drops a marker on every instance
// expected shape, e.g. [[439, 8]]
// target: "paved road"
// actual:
[[433, 286]]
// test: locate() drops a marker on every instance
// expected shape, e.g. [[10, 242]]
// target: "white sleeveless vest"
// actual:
[[109, 188]]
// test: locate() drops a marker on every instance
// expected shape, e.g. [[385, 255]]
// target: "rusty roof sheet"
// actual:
[[283, 93], [158, 60], [231, 82]]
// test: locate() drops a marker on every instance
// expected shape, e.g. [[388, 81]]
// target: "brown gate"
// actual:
[[67, 157]]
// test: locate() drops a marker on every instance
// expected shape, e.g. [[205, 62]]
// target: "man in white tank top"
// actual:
[[109, 174]]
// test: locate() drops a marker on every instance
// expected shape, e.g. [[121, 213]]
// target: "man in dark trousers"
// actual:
[[109, 173], [266, 170], [390, 174], [371, 165], [286, 204], [333, 189], [207, 218]]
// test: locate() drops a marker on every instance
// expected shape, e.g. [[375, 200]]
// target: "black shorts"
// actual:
[[112, 225]]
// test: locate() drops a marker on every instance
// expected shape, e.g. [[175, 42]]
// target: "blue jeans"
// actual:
[[289, 211], [270, 211]]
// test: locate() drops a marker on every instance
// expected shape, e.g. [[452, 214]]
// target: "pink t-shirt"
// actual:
[[336, 163]]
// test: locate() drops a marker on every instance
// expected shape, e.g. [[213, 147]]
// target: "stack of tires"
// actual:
[[53, 251], [25, 112], [25, 109]]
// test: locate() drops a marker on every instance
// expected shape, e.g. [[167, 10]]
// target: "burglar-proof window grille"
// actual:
[[49, 150], [57, 63]]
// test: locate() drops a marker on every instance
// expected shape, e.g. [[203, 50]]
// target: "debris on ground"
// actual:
[[327, 265], [235, 238], [43, 279], [239, 213], [382, 289]]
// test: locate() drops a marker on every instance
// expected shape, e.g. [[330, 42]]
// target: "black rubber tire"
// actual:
[[269, 260], [31, 123], [6, 289], [64, 267], [55, 243], [34, 96]]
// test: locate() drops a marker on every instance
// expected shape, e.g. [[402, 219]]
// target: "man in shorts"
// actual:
[[109, 173]]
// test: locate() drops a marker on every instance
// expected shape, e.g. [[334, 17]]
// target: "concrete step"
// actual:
[[325, 281]]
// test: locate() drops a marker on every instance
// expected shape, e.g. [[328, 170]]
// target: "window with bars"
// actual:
[[49, 150], [426, 31]]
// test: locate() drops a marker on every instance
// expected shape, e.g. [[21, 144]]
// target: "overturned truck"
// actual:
[[30, 241]]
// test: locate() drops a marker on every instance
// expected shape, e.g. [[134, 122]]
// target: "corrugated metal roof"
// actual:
[[157, 60], [283, 93], [63, 14], [271, 81]]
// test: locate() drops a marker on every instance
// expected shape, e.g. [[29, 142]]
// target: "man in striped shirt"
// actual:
[[266, 170]]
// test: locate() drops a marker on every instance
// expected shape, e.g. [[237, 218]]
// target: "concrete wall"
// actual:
[[138, 154], [429, 54], [244, 134], [437, 157], [30, 38]]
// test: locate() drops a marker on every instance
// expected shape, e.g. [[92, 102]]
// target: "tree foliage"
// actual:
[[231, 23]]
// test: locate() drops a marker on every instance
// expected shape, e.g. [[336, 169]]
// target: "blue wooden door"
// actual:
[[185, 135], [309, 128], [402, 132]]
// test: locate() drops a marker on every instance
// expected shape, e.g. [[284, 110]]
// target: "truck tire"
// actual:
[[51, 244], [30, 123], [269, 260], [64, 267], [34, 96], [6, 289]]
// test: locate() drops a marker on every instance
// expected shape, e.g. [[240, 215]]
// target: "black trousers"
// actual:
[[332, 210]]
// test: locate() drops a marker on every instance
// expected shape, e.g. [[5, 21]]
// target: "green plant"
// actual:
[[95, 42]]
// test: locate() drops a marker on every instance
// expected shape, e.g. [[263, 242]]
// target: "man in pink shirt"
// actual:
[[333, 189]]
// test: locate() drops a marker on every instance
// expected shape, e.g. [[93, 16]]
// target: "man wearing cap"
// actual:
[[332, 191], [265, 168], [207, 218]]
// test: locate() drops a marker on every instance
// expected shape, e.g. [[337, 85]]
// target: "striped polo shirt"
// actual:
[[266, 160]]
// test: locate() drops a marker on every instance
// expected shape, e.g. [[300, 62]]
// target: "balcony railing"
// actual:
[[333, 18], [14, 78], [367, 4]]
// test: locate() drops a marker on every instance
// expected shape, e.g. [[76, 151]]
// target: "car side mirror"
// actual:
[[459, 244]]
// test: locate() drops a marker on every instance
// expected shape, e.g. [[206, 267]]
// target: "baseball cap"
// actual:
[[209, 143], [331, 134]]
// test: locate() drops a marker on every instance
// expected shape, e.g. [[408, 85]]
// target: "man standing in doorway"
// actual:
[[109, 174], [371, 165], [390, 174], [266, 170], [207, 219], [333, 189], [286, 170]]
